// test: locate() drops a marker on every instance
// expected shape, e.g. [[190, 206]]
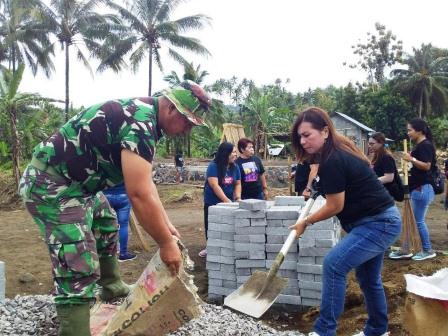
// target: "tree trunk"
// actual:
[[420, 106], [67, 74], [150, 70], [15, 147], [189, 145]]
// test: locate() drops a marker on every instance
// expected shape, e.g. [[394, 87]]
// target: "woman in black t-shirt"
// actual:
[[422, 157], [366, 211], [384, 165]]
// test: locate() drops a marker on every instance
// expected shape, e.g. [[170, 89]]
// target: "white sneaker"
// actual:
[[362, 334], [313, 333]]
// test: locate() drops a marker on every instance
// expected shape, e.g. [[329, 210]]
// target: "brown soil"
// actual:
[[23, 251]]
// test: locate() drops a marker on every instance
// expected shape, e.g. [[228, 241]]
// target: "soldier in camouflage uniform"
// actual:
[[98, 148]]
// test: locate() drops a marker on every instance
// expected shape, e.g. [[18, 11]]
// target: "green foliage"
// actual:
[[439, 129]]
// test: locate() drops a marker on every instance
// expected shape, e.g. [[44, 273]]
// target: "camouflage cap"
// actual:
[[191, 100]]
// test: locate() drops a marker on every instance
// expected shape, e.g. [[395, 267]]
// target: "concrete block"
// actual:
[[306, 242], [213, 258], [242, 213], [215, 298], [242, 222], [312, 269], [222, 275], [289, 299], [234, 205], [319, 234], [215, 282], [289, 200], [283, 212], [327, 224], [274, 222], [290, 274], [310, 294], [291, 291], [305, 277], [288, 222], [220, 243], [221, 210], [317, 286], [212, 266], [326, 242], [220, 290], [274, 239], [241, 247], [214, 234], [317, 277], [214, 250], [241, 254], [241, 238], [289, 256], [250, 263], [286, 265], [250, 230], [243, 271], [257, 238], [227, 268], [275, 248], [310, 302], [257, 255], [278, 231], [307, 260], [227, 252], [253, 204], [313, 251], [221, 227], [227, 236], [241, 279], [229, 284], [258, 222], [228, 260], [221, 219], [320, 260]]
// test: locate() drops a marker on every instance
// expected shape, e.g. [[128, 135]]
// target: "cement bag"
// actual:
[[426, 308], [158, 304]]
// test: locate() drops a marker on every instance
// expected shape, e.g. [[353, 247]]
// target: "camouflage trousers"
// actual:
[[79, 228]]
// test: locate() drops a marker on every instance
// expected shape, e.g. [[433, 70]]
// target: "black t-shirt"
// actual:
[[302, 175], [364, 193], [424, 151], [385, 165], [179, 160], [250, 170]]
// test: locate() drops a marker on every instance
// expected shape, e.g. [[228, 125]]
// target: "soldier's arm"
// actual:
[[146, 203]]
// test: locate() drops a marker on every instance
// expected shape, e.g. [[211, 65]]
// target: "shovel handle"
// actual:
[[292, 235]]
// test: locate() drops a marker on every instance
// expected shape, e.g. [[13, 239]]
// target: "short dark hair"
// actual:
[[242, 144]]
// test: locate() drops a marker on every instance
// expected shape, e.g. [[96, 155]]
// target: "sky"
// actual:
[[306, 42]]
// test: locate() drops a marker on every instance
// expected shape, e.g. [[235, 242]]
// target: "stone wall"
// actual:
[[245, 237], [166, 173]]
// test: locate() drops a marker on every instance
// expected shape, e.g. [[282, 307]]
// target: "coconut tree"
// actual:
[[425, 80], [76, 24], [24, 39], [191, 72], [147, 26], [12, 104]]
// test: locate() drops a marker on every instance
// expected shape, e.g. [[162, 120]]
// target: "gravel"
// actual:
[[36, 315]]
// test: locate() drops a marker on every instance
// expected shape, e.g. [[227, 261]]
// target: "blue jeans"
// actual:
[[361, 249], [421, 199], [120, 203]]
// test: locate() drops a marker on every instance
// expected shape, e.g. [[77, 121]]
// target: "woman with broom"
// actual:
[[366, 211], [420, 188]]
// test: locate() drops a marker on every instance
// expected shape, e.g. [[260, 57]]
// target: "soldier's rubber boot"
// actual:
[[74, 320], [110, 280]]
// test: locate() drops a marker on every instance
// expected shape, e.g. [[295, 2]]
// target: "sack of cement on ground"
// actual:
[[218, 320], [157, 304]]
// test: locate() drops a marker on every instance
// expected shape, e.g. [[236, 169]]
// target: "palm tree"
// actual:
[[425, 80], [23, 38], [191, 72], [76, 24], [12, 104], [147, 25]]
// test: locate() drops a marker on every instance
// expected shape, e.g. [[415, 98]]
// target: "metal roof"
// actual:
[[357, 123]]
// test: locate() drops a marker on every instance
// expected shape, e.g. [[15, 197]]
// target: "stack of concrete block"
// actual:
[[314, 244], [221, 250], [279, 217], [2, 281], [250, 239]]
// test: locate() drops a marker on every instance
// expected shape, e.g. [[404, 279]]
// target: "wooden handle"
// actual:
[[405, 170]]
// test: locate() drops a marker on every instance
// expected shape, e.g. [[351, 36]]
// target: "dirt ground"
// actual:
[[28, 265]]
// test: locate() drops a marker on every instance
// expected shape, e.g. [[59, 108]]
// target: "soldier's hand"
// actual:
[[170, 255]]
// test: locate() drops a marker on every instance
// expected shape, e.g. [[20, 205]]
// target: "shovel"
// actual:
[[260, 291]]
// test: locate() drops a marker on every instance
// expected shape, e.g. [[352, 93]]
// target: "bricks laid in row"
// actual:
[[245, 237]]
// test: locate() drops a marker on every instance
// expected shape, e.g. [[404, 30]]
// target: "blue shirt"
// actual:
[[227, 184]]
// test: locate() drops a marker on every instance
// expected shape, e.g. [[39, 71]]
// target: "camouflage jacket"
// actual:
[[87, 148]]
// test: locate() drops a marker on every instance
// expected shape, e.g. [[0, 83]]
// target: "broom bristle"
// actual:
[[410, 238]]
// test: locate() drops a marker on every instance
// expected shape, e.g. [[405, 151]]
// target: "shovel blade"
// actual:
[[254, 297]]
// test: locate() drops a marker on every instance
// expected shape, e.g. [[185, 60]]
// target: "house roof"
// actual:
[[357, 123]]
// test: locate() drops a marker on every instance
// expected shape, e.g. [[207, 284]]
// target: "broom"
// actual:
[[410, 238]]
